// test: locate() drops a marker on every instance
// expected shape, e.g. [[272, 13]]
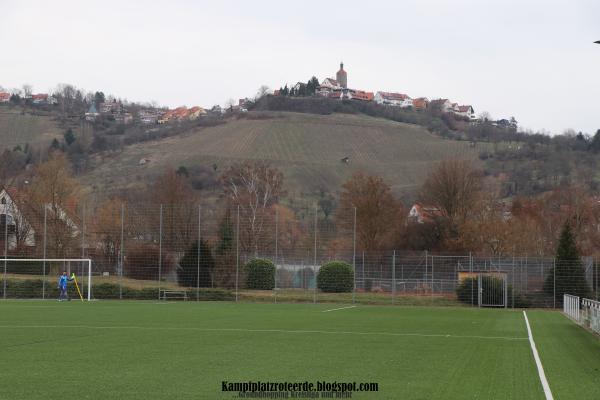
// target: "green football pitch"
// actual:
[[176, 350]]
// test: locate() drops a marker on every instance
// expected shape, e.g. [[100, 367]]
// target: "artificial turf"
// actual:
[[137, 350]]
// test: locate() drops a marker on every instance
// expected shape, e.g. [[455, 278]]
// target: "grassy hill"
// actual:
[[18, 128], [307, 148]]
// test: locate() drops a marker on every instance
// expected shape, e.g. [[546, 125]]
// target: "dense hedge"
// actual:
[[260, 274], [336, 277], [467, 292], [32, 289]]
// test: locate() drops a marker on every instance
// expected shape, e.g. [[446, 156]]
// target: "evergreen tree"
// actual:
[[55, 144], [312, 85], [69, 137], [568, 275], [595, 145], [225, 256], [286, 90], [197, 266]]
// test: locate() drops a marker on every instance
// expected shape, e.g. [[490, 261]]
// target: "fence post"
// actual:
[[80, 272], [276, 249], [160, 248], [315, 257], [5, 253], [554, 283], [394, 277], [471, 277], [354, 258], [237, 252], [44, 251], [513, 281], [198, 255], [432, 289], [121, 256], [363, 272]]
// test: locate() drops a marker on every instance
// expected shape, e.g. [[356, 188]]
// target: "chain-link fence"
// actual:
[[199, 253]]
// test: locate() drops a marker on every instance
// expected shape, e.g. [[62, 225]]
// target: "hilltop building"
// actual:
[[342, 77]]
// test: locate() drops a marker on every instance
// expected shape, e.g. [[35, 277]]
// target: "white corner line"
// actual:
[[341, 308], [538, 362]]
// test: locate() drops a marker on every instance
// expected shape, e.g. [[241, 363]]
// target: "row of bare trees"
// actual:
[[470, 215]]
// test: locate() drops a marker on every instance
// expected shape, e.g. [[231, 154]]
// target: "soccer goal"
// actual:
[[37, 278]]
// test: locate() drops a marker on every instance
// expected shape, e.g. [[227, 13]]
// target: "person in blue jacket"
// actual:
[[62, 286]]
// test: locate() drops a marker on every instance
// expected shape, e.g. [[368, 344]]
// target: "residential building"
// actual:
[[420, 103], [393, 99], [148, 117], [92, 113], [466, 111], [40, 98], [444, 105], [4, 97], [359, 95], [123, 118], [421, 214], [196, 112]]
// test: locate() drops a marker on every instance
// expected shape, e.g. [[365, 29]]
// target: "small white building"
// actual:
[[14, 223], [466, 111], [393, 99]]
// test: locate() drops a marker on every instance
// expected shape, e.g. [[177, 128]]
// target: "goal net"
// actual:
[[37, 278]]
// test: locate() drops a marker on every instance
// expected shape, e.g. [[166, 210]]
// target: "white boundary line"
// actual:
[[166, 328], [341, 308], [538, 362]]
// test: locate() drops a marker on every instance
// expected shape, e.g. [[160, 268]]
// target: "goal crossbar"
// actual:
[[88, 261]]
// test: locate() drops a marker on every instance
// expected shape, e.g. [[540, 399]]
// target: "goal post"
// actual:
[[38, 277]]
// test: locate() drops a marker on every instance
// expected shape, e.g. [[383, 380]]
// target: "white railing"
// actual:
[[571, 307], [590, 314]]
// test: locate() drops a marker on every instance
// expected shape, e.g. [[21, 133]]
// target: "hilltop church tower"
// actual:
[[342, 77]]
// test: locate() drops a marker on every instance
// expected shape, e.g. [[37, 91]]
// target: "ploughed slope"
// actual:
[[18, 128], [307, 148]]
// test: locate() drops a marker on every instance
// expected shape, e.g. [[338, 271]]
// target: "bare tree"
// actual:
[[27, 90], [453, 186], [54, 189], [262, 92], [378, 214], [255, 187]]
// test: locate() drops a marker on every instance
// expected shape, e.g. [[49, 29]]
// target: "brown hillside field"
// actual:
[[17, 129], [307, 148]]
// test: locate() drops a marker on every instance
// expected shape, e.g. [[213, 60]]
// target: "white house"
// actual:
[[393, 99], [14, 223], [466, 111], [328, 86], [421, 214]]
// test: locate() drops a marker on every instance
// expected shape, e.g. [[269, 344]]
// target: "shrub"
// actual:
[[260, 274], [336, 277], [467, 292]]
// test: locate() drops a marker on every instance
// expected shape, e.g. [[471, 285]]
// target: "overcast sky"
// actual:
[[534, 60]]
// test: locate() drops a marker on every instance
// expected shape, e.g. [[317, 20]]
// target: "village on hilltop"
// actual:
[[338, 89]]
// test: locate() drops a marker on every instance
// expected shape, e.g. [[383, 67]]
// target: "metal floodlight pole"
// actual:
[[160, 228], [393, 276], [237, 252], [554, 283], [276, 248], [5, 252], [354, 258], [44, 251], [121, 256], [82, 233], [315, 258], [198, 253]]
